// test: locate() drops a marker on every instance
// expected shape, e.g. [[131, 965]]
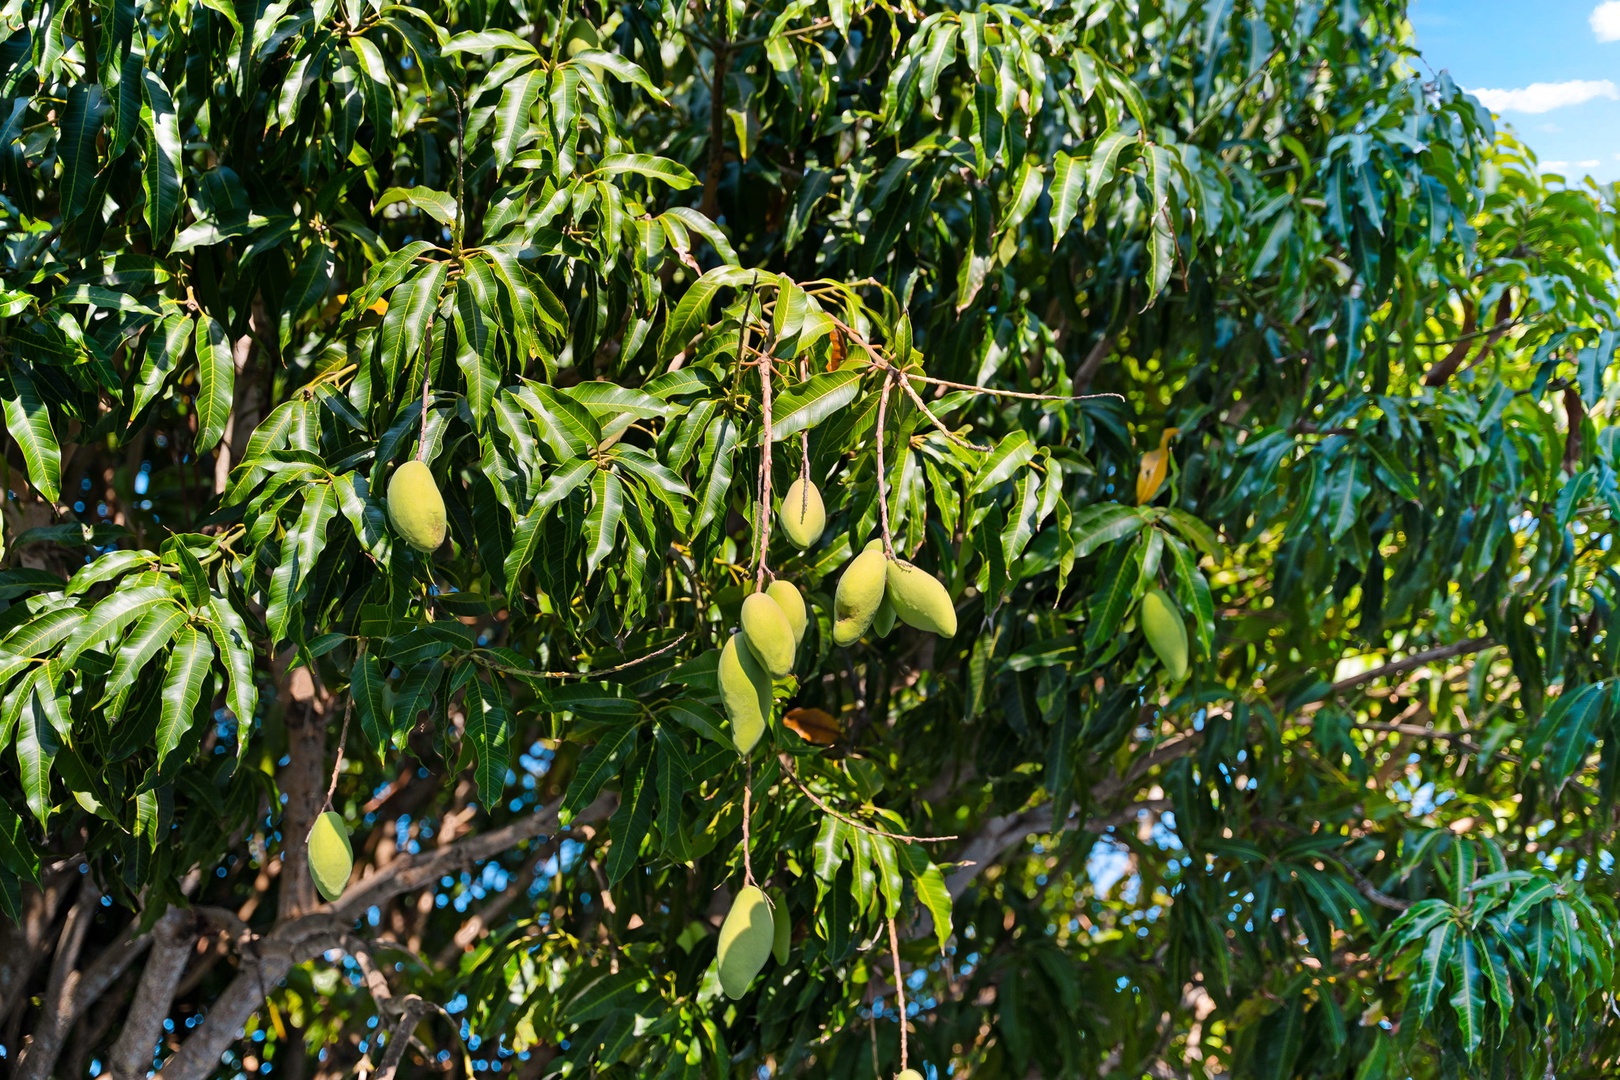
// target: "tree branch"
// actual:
[[1416, 660], [717, 131], [172, 940], [413, 1013], [268, 959]]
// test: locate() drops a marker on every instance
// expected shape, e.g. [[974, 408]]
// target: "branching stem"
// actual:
[[787, 767]]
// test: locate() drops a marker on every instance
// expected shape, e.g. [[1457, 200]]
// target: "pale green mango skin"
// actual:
[[745, 692], [803, 515], [415, 507], [791, 601], [1165, 632], [883, 621], [920, 600], [768, 632], [782, 942], [331, 859], [746, 938], [859, 593]]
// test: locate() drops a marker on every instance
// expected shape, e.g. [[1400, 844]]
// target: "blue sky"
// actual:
[[1550, 69]]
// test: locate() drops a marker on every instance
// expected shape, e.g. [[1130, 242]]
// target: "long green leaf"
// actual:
[[163, 169], [808, 403], [216, 382], [29, 423], [489, 727], [189, 662], [151, 636]]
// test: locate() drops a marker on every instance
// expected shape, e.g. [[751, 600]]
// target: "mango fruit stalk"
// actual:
[[803, 516], [745, 692], [415, 507], [746, 938], [1166, 633], [331, 859]]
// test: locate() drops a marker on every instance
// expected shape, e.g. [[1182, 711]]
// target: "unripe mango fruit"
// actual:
[[859, 593], [791, 601], [883, 621], [920, 600], [415, 507], [746, 938], [803, 515], [581, 36], [1165, 631], [331, 859], [908, 1074], [745, 691], [782, 943], [768, 632]]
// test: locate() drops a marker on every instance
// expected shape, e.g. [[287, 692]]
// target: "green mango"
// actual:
[[803, 516], [331, 859], [920, 600], [745, 691], [415, 507], [746, 939], [791, 601], [782, 942], [1165, 632], [766, 629], [883, 621], [860, 592]]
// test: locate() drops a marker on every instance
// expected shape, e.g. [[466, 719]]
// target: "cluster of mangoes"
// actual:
[[772, 625], [877, 589]]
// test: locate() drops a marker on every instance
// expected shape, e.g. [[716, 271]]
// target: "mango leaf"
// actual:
[[183, 681]]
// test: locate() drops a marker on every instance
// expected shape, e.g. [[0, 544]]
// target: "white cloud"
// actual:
[[1544, 97], [1565, 166], [1606, 21]]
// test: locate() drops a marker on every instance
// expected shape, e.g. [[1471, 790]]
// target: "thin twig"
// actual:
[[899, 989], [765, 366], [1416, 660], [461, 178], [343, 737], [882, 469], [748, 811], [804, 449], [427, 382], [917, 400], [787, 767], [595, 672], [880, 361]]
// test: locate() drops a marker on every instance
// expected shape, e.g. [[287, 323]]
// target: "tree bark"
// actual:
[[717, 132], [38, 1057], [174, 937], [23, 946], [303, 781]]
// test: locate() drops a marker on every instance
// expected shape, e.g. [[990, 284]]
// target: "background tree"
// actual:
[[1348, 364]]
